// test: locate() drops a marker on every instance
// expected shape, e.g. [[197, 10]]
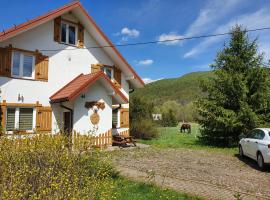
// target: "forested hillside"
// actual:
[[182, 90]]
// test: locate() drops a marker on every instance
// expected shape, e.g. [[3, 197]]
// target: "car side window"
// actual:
[[259, 134], [251, 134]]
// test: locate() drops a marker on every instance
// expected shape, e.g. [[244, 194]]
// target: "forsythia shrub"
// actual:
[[44, 168]]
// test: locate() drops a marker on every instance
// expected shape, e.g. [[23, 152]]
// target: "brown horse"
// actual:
[[185, 127]]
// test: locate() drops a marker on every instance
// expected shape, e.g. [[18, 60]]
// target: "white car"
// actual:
[[256, 145]]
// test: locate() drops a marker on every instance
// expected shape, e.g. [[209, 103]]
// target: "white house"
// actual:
[[54, 76]]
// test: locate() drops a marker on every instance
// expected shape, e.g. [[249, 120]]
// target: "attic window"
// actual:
[[68, 33], [108, 71]]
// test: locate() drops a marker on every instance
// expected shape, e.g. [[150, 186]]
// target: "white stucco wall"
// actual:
[[82, 115], [64, 65]]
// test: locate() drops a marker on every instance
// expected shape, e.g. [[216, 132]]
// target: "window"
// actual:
[[108, 71], [251, 134], [19, 118], [68, 33], [26, 119], [10, 124], [22, 64], [259, 134]]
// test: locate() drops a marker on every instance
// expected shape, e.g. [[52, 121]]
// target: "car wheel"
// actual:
[[241, 153], [260, 161]]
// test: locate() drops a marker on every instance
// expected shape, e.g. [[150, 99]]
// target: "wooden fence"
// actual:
[[124, 133], [102, 140]]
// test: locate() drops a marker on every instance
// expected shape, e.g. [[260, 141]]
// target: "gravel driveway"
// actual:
[[206, 174]]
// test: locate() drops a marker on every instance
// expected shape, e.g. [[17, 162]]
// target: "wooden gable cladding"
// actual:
[[42, 67], [124, 118], [57, 29], [5, 61], [44, 119], [80, 42]]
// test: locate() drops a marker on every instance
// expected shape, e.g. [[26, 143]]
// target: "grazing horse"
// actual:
[[185, 127]]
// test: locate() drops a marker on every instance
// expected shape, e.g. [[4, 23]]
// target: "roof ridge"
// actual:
[[95, 76], [66, 85], [27, 23], [50, 15]]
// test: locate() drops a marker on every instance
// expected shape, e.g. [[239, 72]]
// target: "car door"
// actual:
[[255, 142], [249, 143], [244, 143]]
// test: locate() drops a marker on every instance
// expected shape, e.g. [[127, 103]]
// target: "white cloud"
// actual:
[[254, 20], [149, 80], [170, 36], [146, 62], [210, 15], [127, 33], [130, 32]]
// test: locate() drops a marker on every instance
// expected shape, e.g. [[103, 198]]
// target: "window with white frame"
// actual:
[[108, 71], [23, 64], [68, 33], [19, 119]]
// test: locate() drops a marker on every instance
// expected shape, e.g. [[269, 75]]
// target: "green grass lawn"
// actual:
[[130, 190], [170, 137]]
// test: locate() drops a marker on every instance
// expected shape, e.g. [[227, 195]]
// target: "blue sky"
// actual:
[[129, 21]]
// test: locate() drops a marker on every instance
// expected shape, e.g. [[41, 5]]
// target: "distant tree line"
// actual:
[[174, 112]]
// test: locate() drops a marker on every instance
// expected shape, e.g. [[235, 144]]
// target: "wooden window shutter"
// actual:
[[80, 36], [95, 68], [3, 115], [57, 29], [124, 118], [42, 67], [44, 119], [5, 61], [117, 76]]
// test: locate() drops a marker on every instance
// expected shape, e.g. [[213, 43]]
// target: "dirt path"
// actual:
[[207, 174]]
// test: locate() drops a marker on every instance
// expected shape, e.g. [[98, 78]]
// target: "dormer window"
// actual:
[[108, 71], [22, 65], [68, 33]]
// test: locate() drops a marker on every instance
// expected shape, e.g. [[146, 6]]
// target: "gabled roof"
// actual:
[[80, 84], [64, 9]]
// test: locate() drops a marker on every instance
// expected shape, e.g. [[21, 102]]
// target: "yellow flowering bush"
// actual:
[[46, 168]]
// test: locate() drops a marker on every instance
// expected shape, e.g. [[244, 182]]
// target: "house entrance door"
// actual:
[[67, 122]]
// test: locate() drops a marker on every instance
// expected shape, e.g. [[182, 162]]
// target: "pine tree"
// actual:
[[238, 97]]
